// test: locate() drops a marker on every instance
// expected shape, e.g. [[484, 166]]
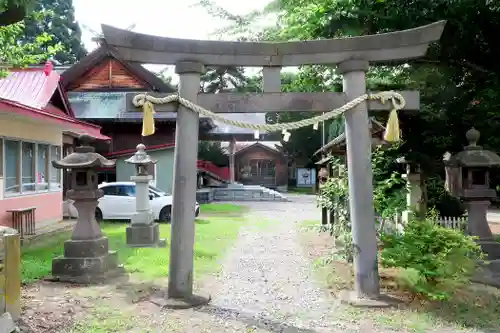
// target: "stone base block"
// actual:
[[86, 269], [143, 235], [490, 248], [351, 298], [142, 218], [488, 273], [86, 248], [162, 300], [7, 324]]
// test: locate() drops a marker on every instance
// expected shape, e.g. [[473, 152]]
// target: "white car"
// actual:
[[118, 202]]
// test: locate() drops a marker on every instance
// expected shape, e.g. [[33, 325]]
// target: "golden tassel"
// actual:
[[392, 129], [148, 120]]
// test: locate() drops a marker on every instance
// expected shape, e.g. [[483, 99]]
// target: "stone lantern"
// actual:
[[474, 165], [322, 175], [142, 232], [86, 256], [414, 197]]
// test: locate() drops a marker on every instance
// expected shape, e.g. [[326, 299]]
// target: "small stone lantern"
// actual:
[[86, 256], [322, 175], [474, 165], [414, 197], [142, 232]]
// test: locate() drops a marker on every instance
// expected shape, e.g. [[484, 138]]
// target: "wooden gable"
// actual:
[[108, 74]]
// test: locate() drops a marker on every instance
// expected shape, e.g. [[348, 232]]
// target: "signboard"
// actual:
[[306, 177]]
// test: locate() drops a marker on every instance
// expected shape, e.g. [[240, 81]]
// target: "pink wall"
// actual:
[[48, 206]]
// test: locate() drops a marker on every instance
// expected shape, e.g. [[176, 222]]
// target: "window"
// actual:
[[126, 190], [120, 190], [109, 190], [42, 168], [27, 167], [12, 174], [55, 174], [1, 157]]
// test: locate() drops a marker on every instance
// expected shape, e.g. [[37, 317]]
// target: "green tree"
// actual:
[[219, 79], [212, 151], [14, 11], [457, 79], [63, 28], [14, 54]]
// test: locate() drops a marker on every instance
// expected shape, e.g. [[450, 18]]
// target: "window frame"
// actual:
[[3, 140]]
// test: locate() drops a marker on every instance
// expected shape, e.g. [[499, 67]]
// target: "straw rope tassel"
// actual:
[[148, 121], [392, 129]]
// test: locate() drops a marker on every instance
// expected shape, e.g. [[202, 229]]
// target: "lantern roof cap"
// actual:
[[474, 155], [141, 157], [84, 157]]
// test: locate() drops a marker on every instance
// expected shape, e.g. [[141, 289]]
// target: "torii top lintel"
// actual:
[[393, 46]]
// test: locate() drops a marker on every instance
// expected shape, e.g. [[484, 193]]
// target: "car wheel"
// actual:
[[166, 214], [98, 215]]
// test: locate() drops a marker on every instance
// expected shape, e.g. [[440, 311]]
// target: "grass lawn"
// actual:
[[213, 235], [222, 208], [301, 190], [475, 306]]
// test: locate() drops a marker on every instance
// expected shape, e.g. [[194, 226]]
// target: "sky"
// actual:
[[169, 18]]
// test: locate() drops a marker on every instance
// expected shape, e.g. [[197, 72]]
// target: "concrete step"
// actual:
[[239, 192]]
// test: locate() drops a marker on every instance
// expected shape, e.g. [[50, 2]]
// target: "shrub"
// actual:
[[434, 260], [439, 199]]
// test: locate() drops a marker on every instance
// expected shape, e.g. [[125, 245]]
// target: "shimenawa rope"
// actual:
[[392, 129]]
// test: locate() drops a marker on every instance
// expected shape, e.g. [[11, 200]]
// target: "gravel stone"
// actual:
[[266, 281]]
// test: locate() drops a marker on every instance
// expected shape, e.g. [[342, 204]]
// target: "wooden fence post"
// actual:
[[11, 276]]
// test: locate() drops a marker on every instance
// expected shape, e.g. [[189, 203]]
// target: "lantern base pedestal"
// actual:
[[85, 262], [144, 235], [491, 248]]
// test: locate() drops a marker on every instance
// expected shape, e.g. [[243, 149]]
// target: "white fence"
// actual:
[[459, 223], [396, 224]]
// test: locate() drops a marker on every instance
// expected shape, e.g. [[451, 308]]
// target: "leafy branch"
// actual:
[[16, 54]]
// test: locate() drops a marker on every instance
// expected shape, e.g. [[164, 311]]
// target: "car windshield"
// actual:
[[157, 190]]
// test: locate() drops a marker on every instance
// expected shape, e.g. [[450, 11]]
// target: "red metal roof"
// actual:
[[27, 92], [29, 87]]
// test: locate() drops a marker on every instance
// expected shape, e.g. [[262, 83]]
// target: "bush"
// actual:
[[448, 205], [438, 198], [435, 260]]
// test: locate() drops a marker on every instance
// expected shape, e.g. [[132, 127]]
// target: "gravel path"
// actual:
[[266, 282], [265, 285]]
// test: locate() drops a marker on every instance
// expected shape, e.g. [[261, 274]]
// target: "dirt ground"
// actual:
[[122, 306], [495, 228]]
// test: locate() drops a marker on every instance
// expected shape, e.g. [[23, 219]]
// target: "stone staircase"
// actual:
[[239, 192]]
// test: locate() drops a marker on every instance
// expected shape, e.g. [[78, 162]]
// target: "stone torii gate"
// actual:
[[352, 57]]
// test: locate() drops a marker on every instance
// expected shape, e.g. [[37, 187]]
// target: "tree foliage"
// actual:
[[14, 54], [14, 11], [224, 78], [457, 79], [212, 151], [61, 25]]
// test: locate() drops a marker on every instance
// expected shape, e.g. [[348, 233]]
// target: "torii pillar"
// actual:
[[180, 274], [359, 169]]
